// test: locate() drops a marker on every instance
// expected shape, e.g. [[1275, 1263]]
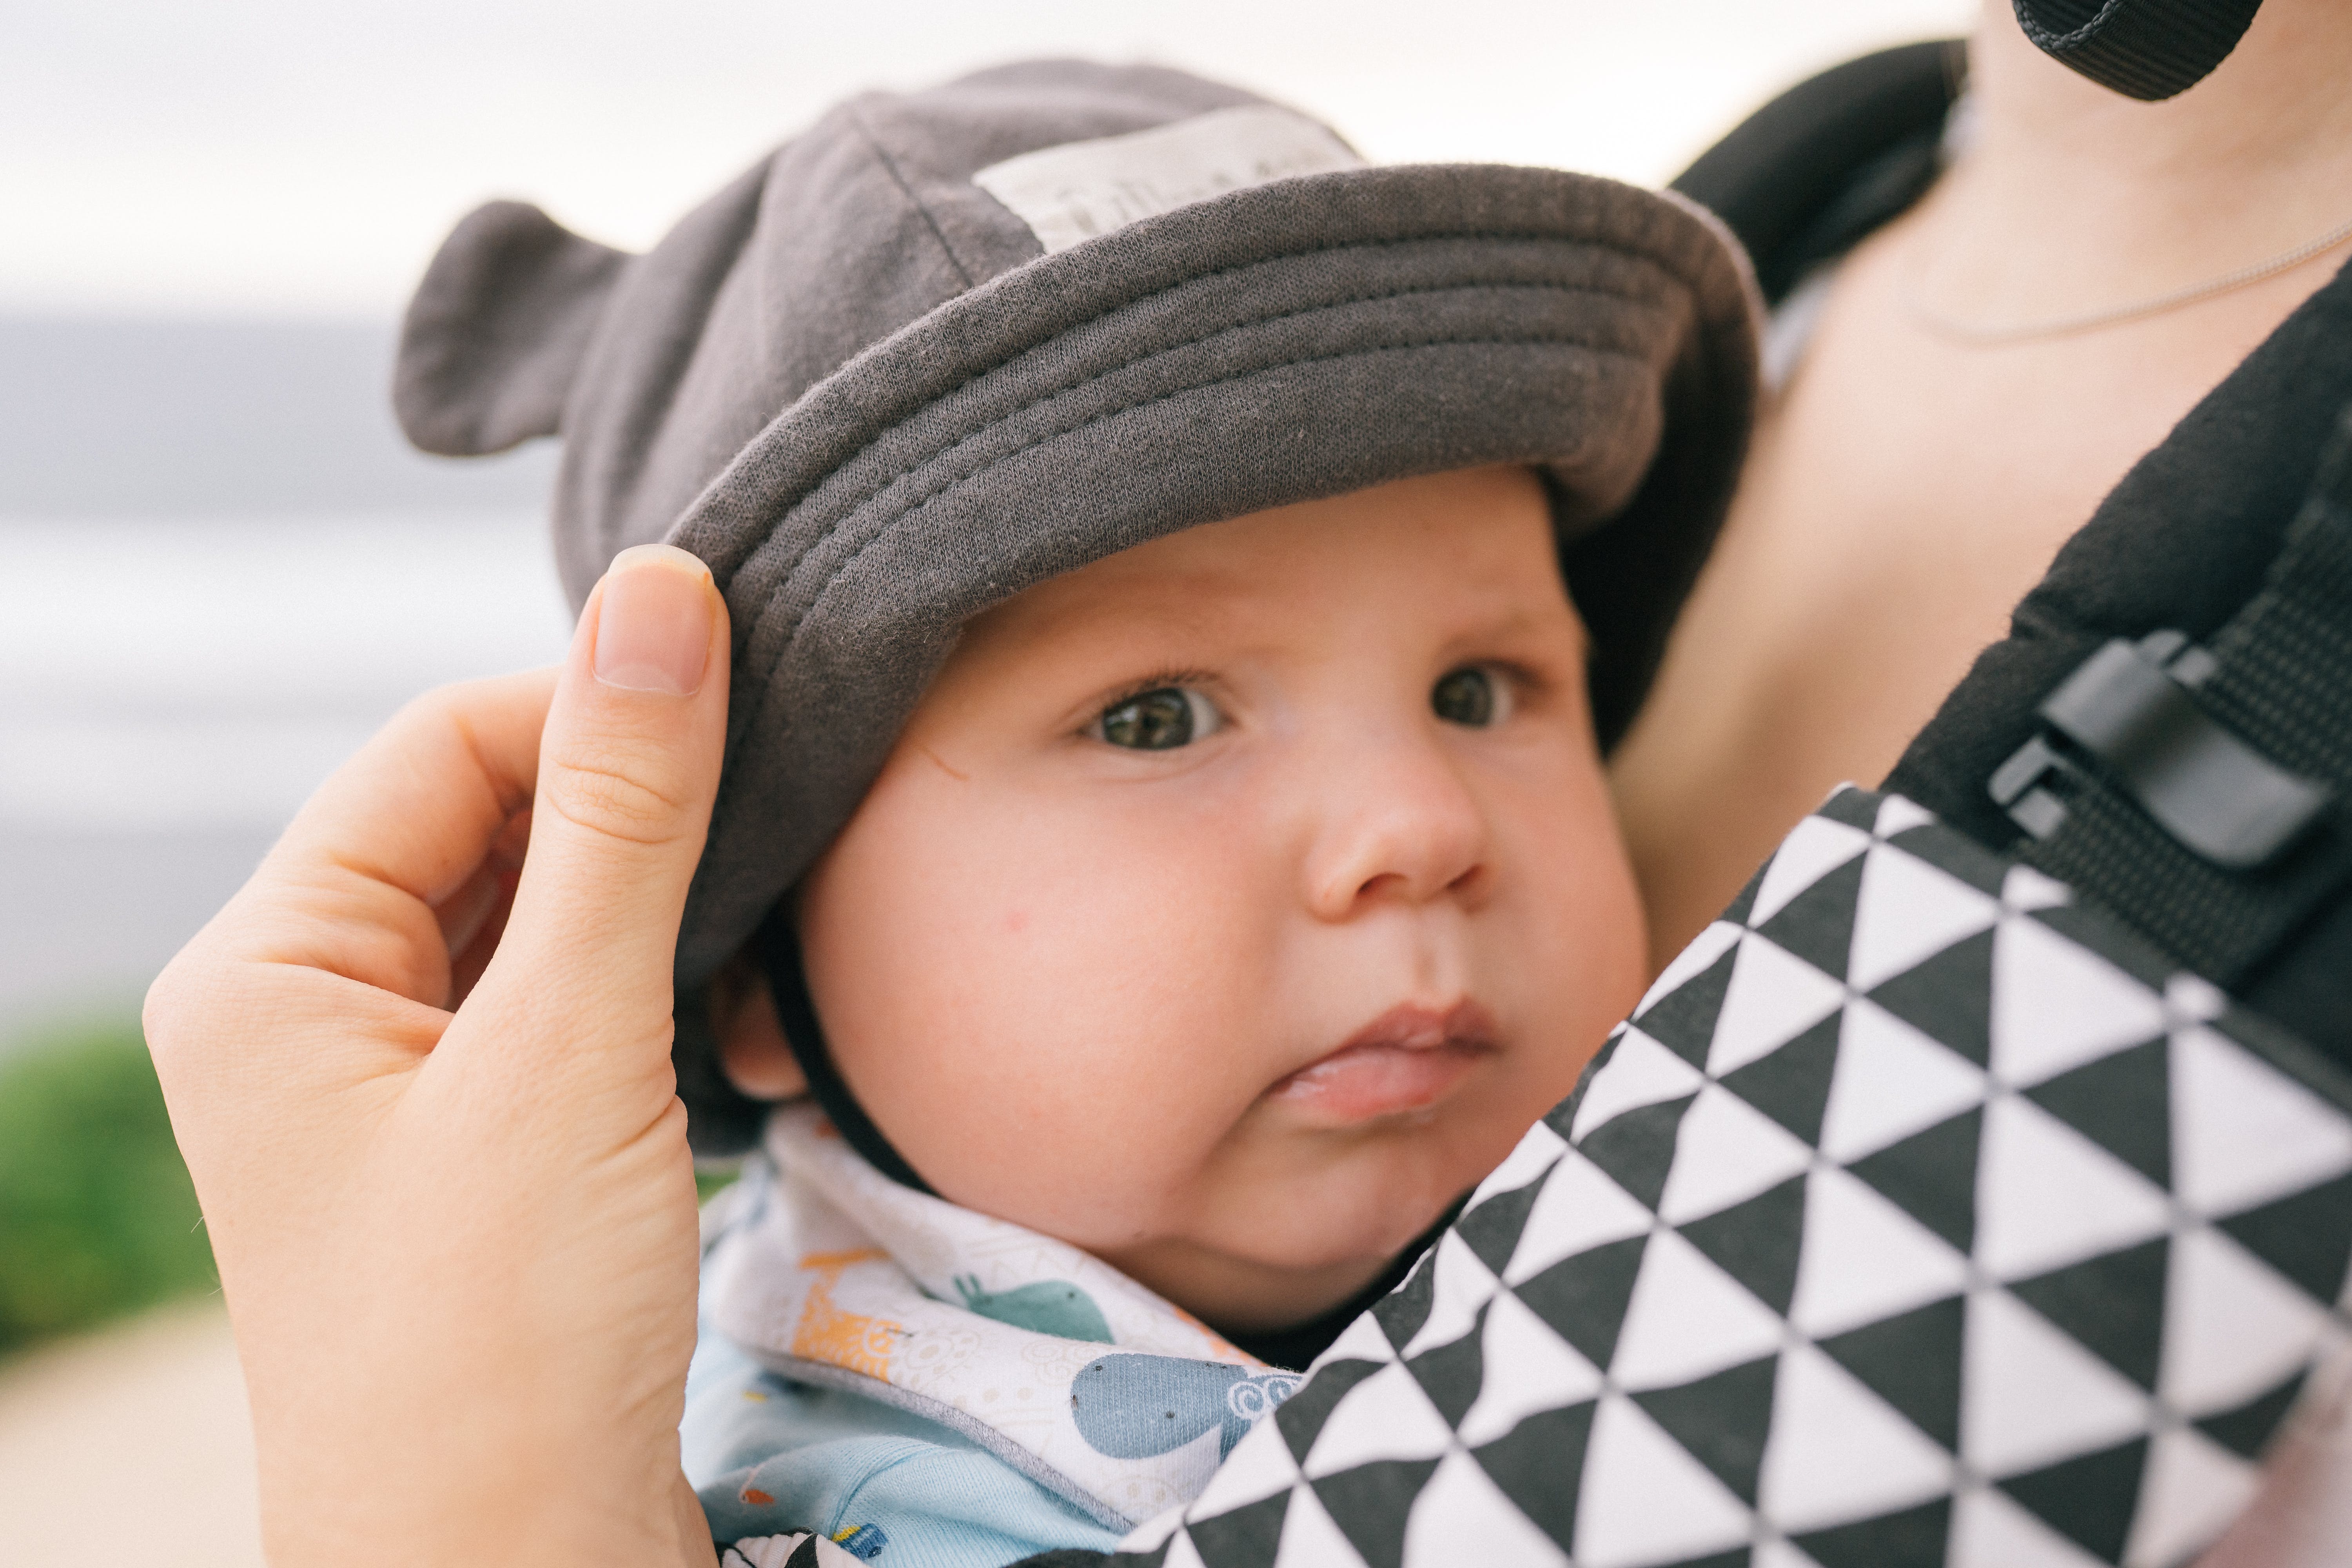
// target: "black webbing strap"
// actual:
[[2147, 49], [1820, 166], [2202, 793]]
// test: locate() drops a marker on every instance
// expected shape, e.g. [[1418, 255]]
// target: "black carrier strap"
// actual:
[[2147, 50], [2201, 790], [1819, 167], [2248, 705]]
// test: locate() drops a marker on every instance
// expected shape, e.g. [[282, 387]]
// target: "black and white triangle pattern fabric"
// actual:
[[1918, 1218]]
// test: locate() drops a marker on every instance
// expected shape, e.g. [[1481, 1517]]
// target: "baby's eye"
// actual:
[[1473, 696], [1159, 721]]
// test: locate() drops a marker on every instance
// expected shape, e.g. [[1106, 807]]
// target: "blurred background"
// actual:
[[220, 569]]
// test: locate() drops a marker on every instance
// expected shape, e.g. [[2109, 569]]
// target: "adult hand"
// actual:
[[428, 1102]]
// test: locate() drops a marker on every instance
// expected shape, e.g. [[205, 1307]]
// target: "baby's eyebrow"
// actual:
[[1202, 603], [1516, 622]]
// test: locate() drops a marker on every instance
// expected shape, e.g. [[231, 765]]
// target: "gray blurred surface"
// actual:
[[220, 571], [86, 918], [130, 417]]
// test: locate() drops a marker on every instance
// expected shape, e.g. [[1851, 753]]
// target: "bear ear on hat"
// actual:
[[498, 329]]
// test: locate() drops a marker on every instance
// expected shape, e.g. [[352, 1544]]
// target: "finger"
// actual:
[[503, 871], [628, 768], [467, 963], [421, 804], [463, 913], [351, 888]]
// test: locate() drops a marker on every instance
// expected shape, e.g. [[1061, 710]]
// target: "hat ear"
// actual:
[[498, 329]]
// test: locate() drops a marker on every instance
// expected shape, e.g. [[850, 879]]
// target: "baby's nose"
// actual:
[[1404, 829]]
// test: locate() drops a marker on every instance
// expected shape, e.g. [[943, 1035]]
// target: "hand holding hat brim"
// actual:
[[457, 1227]]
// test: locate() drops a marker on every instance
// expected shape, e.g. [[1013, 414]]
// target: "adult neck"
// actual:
[[2071, 197]]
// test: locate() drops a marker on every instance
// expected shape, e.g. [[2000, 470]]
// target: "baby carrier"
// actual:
[[1977, 1189]]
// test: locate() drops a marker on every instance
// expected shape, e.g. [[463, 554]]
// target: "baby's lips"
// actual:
[[1363, 1083], [1405, 1060], [1417, 1026]]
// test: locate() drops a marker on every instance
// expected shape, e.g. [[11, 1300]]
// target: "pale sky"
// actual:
[[274, 156]]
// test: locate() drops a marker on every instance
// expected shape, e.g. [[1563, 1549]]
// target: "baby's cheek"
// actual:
[[1569, 961], [1094, 1163], [1583, 906], [1093, 1071]]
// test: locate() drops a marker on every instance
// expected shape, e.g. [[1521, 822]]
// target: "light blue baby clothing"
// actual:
[[929, 1387]]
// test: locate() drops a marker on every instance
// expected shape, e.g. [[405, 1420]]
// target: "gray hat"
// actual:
[[946, 344]]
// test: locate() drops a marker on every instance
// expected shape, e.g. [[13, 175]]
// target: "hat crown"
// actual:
[[658, 369]]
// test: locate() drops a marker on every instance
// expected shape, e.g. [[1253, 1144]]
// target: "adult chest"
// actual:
[[1903, 493]]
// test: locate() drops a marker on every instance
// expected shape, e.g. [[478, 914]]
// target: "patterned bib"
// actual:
[[830, 1273]]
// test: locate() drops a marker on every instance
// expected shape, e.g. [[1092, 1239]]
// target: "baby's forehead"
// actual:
[[1463, 530], [1471, 550]]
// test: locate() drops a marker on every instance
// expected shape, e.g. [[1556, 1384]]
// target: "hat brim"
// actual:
[[1281, 343]]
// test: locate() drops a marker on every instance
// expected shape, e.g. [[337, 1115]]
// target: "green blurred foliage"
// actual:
[[97, 1216], [709, 1183]]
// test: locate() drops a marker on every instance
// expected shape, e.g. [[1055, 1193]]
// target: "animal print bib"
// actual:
[[830, 1273]]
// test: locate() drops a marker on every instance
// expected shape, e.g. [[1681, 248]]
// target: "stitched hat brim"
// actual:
[[1286, 342]]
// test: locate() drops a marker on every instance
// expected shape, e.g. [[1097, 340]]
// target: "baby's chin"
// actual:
[[1362, 1209], [1289, 1209], [1278, 1276], [1365, 1204]]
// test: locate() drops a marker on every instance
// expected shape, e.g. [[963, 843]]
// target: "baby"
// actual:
[[1164, 860]]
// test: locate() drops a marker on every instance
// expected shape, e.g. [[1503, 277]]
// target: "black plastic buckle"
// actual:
[[2130, 710]]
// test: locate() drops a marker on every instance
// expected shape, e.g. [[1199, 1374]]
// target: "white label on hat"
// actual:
[[1071, 193]]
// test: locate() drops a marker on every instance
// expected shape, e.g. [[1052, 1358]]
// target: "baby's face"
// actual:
[[1231, 906]]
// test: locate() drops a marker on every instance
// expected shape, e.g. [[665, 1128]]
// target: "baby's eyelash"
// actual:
[[1529, 681], [1158, 681]]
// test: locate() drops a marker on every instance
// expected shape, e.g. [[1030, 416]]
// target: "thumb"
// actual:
[[628, 768]]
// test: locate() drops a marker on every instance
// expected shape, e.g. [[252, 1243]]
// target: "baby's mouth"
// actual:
[[1405, 1060]]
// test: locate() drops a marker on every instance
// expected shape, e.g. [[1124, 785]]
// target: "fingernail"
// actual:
[[653, 628]]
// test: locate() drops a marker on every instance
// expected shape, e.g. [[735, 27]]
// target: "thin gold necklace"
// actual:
[[1971, 332]]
